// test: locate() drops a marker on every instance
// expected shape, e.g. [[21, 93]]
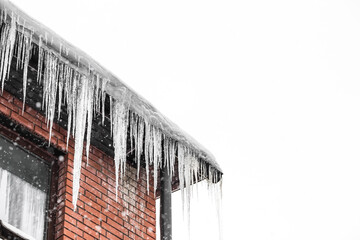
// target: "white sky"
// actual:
[[271, 88]]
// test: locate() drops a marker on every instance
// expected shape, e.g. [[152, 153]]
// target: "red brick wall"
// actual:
[[98, 214]]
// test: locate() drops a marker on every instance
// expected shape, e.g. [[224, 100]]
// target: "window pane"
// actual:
[[24, 183], [24, 165]]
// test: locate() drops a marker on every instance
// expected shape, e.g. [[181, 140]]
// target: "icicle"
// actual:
[[149, 150], [133, 125], [97, 94], [166, 154], [2, 14], [70, 101], [195, 166], [40, 61], [139, 146], [120, 121], [81, 112], [157, 138], [188, 170], [215, 192], [181, 169], [111, 115], [50, 80], [103, 97], [67, 84], [90, 108], [60, 88], [172, 153], [23, 28], [169, 155], [76, 79], [18, 49], [187, 175], [27, 50], [7, 42]]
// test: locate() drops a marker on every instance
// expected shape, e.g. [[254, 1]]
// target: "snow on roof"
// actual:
[[115, 87], [69, 74]]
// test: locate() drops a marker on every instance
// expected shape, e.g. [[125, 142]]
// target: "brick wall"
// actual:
[[98, 214]]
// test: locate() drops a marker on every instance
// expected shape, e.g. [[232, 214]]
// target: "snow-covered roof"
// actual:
[[65, 69]]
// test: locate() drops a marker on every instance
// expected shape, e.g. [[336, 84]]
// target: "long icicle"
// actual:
[[69, 101], [103, 98], [120, 122], [40, 61], [7, 43], [50, 80], [27, 50], [149, 151], [62, 79], [90, 111], [81, 112], [181, 169], [157, 138], [140, 142]]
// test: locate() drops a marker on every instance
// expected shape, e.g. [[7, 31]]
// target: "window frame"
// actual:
[[22, 138]]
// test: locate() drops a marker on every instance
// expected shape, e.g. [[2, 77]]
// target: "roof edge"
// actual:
[[83, 63]]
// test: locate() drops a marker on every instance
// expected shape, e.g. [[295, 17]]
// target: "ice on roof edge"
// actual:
[[116, 87]]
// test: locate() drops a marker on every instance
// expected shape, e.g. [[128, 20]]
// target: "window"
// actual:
[[24, 190]]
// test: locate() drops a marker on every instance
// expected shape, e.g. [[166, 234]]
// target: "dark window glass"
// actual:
[[24, 190]]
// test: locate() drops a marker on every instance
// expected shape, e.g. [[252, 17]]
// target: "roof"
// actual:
[[190, 154]]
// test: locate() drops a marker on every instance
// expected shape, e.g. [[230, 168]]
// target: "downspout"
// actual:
[[165, 204]]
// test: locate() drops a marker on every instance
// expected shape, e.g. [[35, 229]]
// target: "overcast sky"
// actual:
[[271, 88]]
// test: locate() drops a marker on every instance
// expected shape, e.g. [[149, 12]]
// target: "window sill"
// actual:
[[8, 231]]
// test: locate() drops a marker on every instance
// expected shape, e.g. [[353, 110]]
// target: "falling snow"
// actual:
[[153, 139]]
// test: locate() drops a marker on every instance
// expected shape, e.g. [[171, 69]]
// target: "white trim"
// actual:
[[16, 231]]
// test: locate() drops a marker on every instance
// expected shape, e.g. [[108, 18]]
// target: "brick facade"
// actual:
[[98, 215]]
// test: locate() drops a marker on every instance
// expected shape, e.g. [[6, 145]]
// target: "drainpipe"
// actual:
[[165, 205]]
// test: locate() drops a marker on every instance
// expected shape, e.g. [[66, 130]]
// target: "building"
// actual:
[[82, 156]]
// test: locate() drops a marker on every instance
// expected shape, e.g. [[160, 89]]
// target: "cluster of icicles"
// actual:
[[84, 95]]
